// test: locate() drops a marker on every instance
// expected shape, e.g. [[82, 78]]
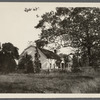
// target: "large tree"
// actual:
[[8, 54], [75, 27]]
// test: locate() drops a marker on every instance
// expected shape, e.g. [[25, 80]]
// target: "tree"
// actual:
[[75, 27], [86, 28], [11, 49], [51, 28], [26, 64], [37, 62], [7, 55]]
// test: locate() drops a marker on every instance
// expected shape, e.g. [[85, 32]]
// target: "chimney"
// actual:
[[55, 51]]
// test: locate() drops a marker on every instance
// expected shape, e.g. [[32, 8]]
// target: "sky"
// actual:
[[17, 26]]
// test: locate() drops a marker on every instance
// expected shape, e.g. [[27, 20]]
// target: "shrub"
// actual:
[[26, 64]]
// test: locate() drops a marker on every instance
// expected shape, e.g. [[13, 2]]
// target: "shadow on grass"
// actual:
[[86, 77], [17, 88]]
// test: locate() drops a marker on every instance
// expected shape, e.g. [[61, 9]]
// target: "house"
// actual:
[[47, 58]]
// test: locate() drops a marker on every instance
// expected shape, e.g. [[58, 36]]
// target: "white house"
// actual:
[[47, 58]]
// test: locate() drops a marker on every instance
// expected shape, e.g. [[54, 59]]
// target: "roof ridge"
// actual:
[[26, 49], [46, 52]]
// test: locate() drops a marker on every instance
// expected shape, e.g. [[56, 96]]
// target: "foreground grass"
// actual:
[[50, 83]]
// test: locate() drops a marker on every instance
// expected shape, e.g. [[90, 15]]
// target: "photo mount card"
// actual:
[[49, 50]]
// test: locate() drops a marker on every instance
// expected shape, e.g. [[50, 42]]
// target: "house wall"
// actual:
[[45, 62], [30, 51], [53, 64]]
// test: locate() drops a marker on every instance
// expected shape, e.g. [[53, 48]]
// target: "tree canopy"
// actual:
[[8, 54], [41, 43], [77, 27], [11, 49]]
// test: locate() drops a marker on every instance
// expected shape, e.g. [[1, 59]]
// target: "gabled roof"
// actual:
[[47, 53], [26, 49], [50, 54]]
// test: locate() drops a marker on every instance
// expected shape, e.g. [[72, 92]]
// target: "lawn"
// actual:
[[54, 82]]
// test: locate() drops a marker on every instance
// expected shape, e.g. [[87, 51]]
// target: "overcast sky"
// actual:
[[17, 26]]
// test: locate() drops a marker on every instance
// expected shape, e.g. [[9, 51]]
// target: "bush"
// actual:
[[26, 64]]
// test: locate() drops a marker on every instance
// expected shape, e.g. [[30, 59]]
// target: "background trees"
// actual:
[[75, 27], [8, 54]]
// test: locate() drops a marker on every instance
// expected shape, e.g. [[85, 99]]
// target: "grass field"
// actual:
[[50, 83]]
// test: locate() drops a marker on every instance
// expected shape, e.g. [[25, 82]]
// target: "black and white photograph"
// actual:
[[49, 48]]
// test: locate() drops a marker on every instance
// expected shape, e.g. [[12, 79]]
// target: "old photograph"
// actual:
[[49, 48]]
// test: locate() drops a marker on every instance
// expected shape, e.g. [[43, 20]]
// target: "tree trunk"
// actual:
[[89, 56], [88, 46]]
